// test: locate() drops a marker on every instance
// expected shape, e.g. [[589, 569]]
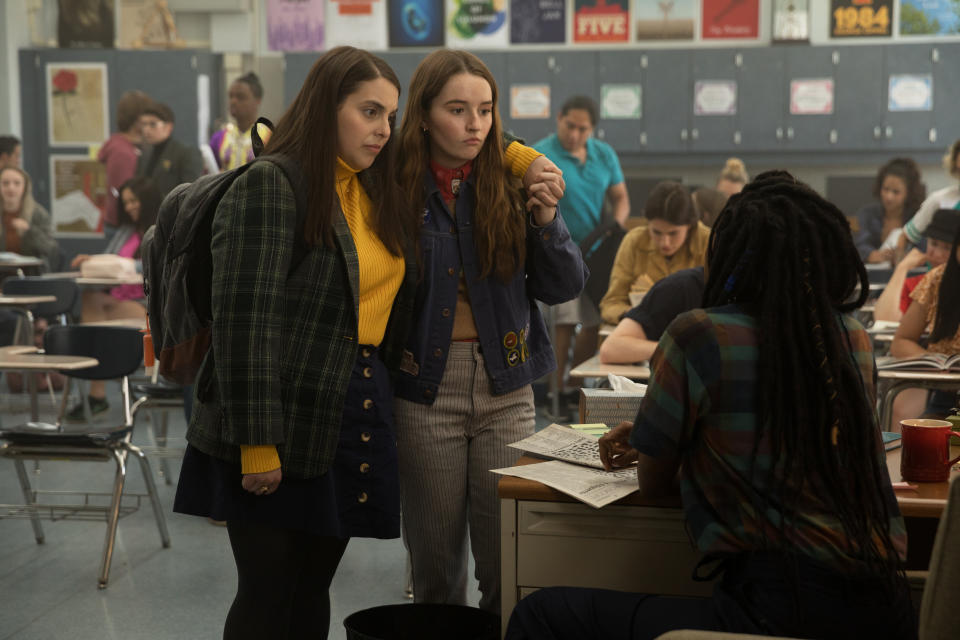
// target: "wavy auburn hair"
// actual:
[[307, 132], [499, 217]]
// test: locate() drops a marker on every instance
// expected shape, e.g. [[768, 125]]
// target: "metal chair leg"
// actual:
[[161, 434], [113, 517], [29, 500], [152, 491]]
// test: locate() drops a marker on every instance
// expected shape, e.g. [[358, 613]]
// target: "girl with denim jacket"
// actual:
[[487, 252]]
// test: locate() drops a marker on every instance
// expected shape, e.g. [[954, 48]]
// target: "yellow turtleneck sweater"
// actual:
[[381, 274]]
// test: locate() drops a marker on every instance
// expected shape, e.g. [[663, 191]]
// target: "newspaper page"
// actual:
[[596, 488], [563, 443]]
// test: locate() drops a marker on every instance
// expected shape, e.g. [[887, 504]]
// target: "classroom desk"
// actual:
[[910, 378], [593, 368], [95, 282], [606, 329], [26, 358], [549, 539], [134, 323], [17, 263]]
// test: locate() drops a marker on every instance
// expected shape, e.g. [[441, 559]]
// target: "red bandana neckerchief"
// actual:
[[449, 180]]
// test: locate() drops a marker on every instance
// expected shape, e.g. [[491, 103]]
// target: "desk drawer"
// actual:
[[642, 549]]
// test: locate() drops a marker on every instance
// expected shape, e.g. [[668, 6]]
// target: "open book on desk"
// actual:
[[932, 361], [576, 469]]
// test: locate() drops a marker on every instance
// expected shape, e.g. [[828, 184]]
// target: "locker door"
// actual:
[[715, 132], [622, 67], [762, 107], [668, 101], [909, 130], [809, 132], [859, 96]]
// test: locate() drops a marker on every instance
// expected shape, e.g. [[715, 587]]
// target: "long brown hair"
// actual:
[[307, 132], [499, 216], [27, 204]]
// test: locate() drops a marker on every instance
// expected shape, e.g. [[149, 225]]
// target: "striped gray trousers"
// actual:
[[446, 451]]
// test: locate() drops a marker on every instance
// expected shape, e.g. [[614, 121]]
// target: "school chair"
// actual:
[[119, 351]]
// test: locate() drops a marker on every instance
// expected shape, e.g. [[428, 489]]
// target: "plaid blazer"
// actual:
[[284, 331]]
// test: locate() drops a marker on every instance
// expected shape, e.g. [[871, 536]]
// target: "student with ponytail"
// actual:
[[762, 405]]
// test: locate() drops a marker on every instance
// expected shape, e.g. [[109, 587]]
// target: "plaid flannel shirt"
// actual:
[[284, 341]]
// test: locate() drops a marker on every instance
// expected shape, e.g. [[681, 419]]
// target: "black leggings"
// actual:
[[283, 582]]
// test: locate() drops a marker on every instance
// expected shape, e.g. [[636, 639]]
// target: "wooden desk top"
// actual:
[[133, 323], [9, 260], [928, 501], [593, 368], [22, 357], [25, 301]]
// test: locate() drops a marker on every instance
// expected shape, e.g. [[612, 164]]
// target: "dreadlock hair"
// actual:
[[947, 318], [786, 256]]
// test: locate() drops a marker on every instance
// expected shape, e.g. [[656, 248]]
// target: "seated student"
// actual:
[[899, 190], [762, 406], [935, 308], [139, 205], [636, 336], [946, 198], [27, 227], [673, 239], [732, 177], [708, 203], [895, 299]]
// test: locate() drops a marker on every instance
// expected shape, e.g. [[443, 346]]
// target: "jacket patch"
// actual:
[[515, 346], [408, 364]]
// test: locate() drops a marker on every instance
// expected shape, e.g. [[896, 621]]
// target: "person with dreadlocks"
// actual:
[[762, 404], [935, 307]]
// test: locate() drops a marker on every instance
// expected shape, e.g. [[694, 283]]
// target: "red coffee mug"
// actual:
[[926, 450]]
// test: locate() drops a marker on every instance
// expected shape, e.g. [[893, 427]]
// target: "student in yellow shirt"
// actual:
[[673, 239]]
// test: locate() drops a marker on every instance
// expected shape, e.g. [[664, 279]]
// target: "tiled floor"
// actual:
[[50, 591]]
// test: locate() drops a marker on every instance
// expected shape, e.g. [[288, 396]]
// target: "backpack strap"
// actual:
[[295, 177]]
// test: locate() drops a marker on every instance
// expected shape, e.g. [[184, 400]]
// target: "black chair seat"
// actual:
[[159, 390], [49, 435]]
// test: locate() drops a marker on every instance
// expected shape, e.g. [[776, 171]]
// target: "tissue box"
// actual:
[[608, 407]]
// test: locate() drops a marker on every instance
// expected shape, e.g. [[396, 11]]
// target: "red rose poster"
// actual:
[[601, 21], [730, 19]]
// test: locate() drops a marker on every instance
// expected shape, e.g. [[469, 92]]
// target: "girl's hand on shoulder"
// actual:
[[79, 260], [914, 259], [615, 449], [262, 484]]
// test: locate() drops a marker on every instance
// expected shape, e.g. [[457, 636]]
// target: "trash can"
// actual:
[[422, 622]]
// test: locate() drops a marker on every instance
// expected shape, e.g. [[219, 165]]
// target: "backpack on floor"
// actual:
[[178, 267]]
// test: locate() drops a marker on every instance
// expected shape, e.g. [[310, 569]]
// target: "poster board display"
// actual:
[[78, 195], [77, 102]]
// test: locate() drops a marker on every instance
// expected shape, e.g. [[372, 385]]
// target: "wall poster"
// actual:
[[715, 98], [658, 20], [861, 18], [477, 23], [621, 102], [529, 101], [910, 92], [78, 195], [601, 21], [416, 23], [295, 25], [534, 21], [929, 17], [723, 19], [811, 96], [77, 103], [358, 23]]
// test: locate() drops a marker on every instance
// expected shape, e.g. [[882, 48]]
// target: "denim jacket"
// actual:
[[512, 334]]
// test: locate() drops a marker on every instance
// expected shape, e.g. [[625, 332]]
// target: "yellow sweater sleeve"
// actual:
[[258, 458], [519, 157]]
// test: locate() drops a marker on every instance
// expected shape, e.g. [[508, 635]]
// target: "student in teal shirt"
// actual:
[[592, 173]]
